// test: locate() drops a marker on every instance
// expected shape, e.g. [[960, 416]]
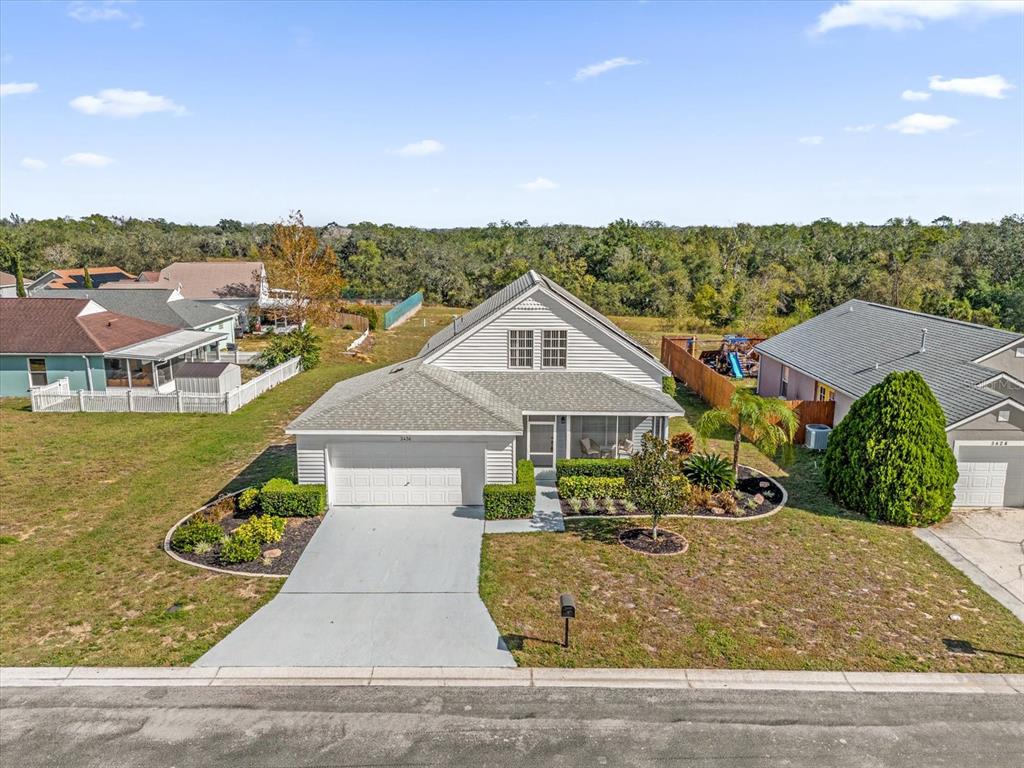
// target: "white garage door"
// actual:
[[404, 473], [981, 484]]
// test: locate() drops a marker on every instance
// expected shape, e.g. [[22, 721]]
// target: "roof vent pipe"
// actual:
[[924, 340]]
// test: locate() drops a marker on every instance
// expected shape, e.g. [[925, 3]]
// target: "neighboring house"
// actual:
[[164, 306], [59, 279], [531, 373], [976, 373], [8, 286], [46, 339], [237, 285]]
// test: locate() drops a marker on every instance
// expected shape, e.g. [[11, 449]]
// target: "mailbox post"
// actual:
[[568, 610]]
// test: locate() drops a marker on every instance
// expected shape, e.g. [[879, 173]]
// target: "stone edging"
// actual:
[[174, 555], [729, 518]]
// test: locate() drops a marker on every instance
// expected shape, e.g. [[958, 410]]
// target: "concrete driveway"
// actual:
[[377, 586], [988, 546]]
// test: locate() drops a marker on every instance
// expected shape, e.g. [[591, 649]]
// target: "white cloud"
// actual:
[[87, 160], [539, 185], [117, 102], [909, 95], [12, 89], [860, 128], [593, 70], [909, 14], [104, 10], [812, 141], [421, 148], [990, 86], [32, 164], [922, 123]]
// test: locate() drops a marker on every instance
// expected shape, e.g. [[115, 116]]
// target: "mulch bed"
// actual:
[[297, 533], [640, 540], [756, 495]]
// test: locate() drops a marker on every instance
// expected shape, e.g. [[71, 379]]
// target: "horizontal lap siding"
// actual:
[[589, 349], [311, 461], [500, 462]]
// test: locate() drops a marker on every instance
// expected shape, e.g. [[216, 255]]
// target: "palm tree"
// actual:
[[769, 423]]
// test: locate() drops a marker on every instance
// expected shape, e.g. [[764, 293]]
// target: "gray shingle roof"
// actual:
[[149, 305], [855, 345]]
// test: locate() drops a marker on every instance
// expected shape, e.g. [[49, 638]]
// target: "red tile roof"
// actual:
[[58, 326], [6, 278]]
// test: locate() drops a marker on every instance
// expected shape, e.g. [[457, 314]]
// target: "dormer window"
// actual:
[[555, 349], [520, 349]]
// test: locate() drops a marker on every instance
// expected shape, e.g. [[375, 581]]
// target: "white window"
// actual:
[[1003, 416], [555, 347], [36, 372], [520, 349]]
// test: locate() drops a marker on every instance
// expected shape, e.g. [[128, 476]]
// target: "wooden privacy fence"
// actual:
[[58, 397], [717, 390]]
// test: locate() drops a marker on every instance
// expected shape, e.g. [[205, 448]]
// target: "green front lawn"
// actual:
[[85, 501], [812, 587]]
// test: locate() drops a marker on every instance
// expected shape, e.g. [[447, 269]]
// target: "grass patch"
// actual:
[[89, 497]]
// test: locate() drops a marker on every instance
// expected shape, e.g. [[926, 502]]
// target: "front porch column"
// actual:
[[568, 436]]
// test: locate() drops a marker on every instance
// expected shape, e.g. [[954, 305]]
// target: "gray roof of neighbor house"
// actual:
[[209, 279], [151, 305], [510, 293], [854, 346]]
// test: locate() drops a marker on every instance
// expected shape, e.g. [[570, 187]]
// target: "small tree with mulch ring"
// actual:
[[652, 482]]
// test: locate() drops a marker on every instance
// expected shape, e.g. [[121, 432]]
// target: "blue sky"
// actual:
[[460, 114]]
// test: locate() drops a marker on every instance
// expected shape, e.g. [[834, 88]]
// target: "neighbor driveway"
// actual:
[[377, 586], [988, 546]]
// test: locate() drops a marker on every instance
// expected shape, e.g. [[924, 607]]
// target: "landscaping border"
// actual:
[[730, 518], [175, 556]]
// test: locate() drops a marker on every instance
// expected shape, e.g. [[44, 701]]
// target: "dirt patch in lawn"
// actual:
[[642, 540]]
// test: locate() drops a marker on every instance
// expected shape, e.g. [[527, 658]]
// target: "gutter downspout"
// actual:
[[88, 372]]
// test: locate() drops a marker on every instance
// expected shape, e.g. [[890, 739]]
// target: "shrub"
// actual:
[[682, 442], [240, 547], [283, 498], [582, 486], [709, 470], [726, 501], [591, 468], [301, 342], [249, 500], [266, 529], [590, 504], [365, 310], [507, 502], [668, 385], [652, 483], [576, 505], [888, 458], [195, 532], [700, 498]]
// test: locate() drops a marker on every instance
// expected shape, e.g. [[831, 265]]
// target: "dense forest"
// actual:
[[756, 278]]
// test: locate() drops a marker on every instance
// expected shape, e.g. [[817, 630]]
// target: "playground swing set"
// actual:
[[732, 356]]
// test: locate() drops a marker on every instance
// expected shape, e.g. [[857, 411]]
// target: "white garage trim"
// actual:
[[987, 444], [982, 483]]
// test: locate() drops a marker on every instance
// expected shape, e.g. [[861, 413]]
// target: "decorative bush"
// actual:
[[283, 498], [700, 498], [507, 502], [709, 470], [583, 486], [249, 500], [682, 442], [889, 459], [652, 483], [195, 532], [668, 385], [365, 310], [241, 547], [726, 501], [591, 468], [266, 529], [301, 342]]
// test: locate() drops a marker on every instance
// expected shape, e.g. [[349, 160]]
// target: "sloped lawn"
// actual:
[[809, 588], [85, 501]]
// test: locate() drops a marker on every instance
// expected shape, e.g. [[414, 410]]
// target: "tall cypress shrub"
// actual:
[[888, 458]]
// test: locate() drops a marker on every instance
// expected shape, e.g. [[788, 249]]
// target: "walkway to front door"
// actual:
[[377, 586]]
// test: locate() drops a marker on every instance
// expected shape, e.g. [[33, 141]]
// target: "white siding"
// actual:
[[643, 427], [589, 348], [499, 462], [311, 459]]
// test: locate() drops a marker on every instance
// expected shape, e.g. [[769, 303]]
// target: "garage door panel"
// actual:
[[981, 483]]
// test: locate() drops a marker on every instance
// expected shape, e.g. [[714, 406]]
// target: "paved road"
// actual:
[[377, 586], [299, 727]]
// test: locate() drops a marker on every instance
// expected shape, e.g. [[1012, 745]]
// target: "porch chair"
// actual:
[[589, 448]]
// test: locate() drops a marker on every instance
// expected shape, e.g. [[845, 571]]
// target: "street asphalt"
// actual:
[[293, 727]]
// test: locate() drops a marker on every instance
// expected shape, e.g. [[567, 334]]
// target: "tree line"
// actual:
[[745, 277]]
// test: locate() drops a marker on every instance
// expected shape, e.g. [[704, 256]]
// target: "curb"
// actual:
[[522, 677]]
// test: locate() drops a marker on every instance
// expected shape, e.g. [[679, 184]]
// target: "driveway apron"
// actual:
[[377, 586]]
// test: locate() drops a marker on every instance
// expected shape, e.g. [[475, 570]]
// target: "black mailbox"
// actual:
[[568, 606]]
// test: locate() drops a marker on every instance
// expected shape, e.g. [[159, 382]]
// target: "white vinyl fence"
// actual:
[[58, 397]]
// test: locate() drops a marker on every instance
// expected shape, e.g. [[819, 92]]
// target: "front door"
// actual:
[[541, 443]]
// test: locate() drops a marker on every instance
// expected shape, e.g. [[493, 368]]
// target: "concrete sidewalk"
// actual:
[[536, 677]]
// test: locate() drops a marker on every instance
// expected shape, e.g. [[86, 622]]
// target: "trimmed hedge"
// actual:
[[241, 547], [591, 468], [196, 531], [508, 502], [283, 498], [584, 487]]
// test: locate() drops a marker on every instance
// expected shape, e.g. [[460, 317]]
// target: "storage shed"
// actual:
[[207, 378]]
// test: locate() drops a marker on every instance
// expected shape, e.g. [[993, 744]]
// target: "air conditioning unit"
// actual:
[[816, 436]]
